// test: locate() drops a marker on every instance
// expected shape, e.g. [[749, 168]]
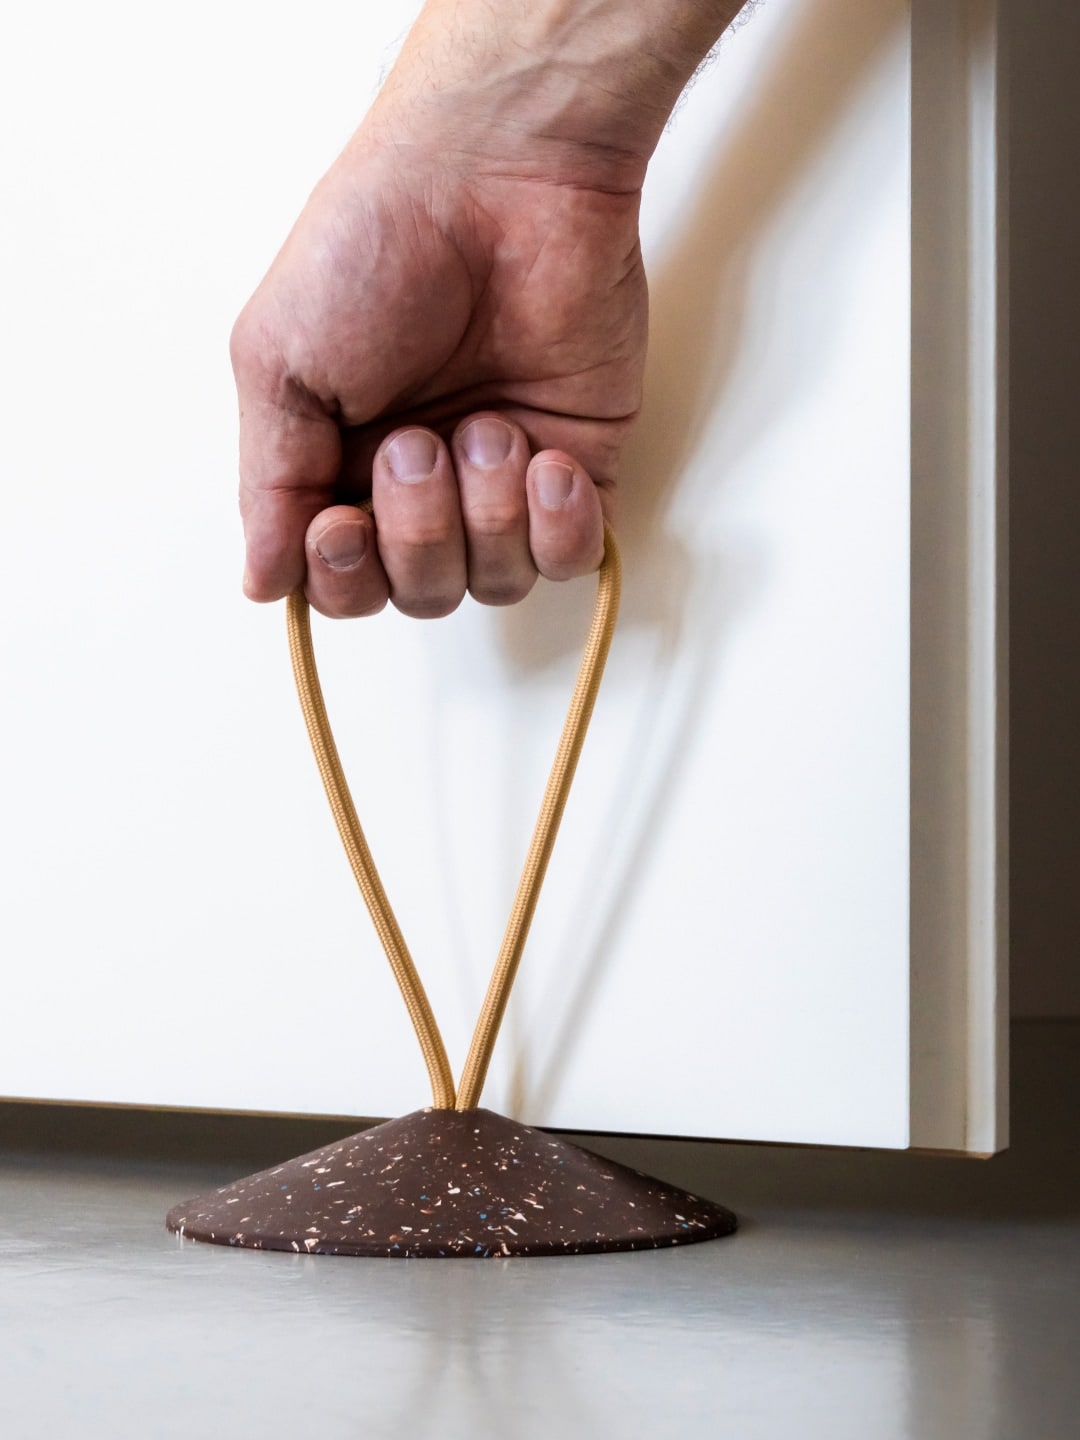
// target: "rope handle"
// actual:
[[590, 673]]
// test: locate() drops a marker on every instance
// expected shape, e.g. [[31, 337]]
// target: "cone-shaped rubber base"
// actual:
[[446, 1182]]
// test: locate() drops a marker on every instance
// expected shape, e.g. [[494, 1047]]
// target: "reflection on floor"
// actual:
[[868, 1295]]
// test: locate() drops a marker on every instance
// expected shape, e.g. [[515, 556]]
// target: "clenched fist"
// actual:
[[456, 326]]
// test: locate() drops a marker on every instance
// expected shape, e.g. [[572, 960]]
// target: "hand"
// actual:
[[456, 325], [462, 345]]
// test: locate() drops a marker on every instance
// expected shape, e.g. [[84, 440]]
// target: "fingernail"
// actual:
[[554, 481], [412, 456], [487, 442], [342, 546]]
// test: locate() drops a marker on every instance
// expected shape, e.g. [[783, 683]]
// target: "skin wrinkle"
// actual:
[[465, 163], [638, 56]]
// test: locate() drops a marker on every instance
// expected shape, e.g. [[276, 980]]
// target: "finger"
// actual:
[[566, 523], [345, 576], [491, 458], [290, 454], [418, 515]]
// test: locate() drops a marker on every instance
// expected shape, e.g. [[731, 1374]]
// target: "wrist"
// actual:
[[571, 90]]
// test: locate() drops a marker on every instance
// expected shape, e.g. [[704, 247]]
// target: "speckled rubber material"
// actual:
[[450, 1183]]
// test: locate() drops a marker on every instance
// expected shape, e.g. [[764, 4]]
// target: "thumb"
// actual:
[[290, 457]]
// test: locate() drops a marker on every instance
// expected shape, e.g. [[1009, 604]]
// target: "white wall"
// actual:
[[723, 945]]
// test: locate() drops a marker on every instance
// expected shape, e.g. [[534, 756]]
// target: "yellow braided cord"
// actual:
[[561, 778], [356, 848], [536, 863]]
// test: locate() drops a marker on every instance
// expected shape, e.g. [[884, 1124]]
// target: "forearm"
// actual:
[[534, 83]]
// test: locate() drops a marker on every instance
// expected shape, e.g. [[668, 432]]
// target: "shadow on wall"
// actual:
[[700, 297]]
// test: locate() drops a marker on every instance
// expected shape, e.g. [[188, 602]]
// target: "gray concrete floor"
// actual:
[[868, 1295]]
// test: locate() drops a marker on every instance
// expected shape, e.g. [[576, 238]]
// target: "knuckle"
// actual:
[[571, 564], [360, 610], [500, 590], [243, 344], [427, 607], [262, 592], [349, 607], [424, 535], [494, 519]]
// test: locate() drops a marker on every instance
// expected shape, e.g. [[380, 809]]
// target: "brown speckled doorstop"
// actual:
[[450, 1183]]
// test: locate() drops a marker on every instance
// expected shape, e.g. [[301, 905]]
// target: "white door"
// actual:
[[774, 911]]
